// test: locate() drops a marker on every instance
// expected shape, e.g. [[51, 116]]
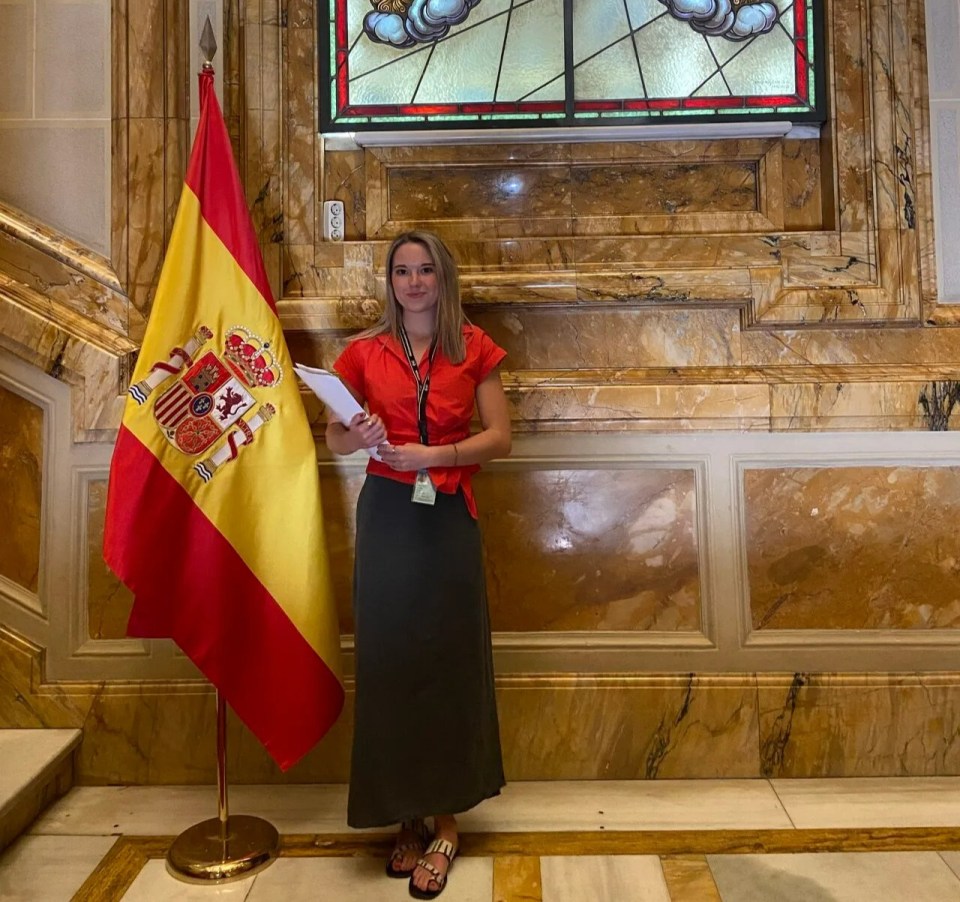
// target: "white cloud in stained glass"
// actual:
[[469, 64], [760, 68], [533, 54], [679, 59]]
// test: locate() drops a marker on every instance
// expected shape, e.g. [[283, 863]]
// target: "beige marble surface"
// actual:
[[600, 805], [871, 802], [109, 601], [573, 879], [591, 549], [21, 475], [853, 548], [49, 868], [822, 726], [155, 884], [850, 876], [24, 754]]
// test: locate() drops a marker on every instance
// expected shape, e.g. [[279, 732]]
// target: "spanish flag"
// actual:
[[213, 510]]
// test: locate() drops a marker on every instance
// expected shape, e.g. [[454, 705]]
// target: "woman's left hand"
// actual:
[[411, 456]]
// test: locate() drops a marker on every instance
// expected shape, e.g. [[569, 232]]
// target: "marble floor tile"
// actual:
[[168, 810], [49, 868], [872, 802], [25, 753], [953, 860], [155, 884], [834, 876], [586, 805], [609, 878], [362, 880], [630, 805]]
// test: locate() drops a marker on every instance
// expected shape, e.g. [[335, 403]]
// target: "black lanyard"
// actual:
[[423, 385]]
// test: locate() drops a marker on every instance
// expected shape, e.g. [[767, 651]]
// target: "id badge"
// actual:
[[424, 491]]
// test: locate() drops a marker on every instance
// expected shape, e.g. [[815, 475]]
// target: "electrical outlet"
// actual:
[[333, 220]]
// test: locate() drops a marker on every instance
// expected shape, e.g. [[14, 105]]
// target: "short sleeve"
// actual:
[[488, 355], [350, 366]]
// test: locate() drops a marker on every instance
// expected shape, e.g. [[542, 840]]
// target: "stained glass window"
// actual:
[[394, 64]]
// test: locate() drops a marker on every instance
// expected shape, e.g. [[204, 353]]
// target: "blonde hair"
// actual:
[[450, 316]]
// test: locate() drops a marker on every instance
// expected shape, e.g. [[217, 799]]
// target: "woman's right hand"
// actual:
[[367, 431]]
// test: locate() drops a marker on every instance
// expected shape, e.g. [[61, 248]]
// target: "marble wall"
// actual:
[[722, 546]]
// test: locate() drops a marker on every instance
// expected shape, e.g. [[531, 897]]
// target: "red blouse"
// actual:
[[377, 370]]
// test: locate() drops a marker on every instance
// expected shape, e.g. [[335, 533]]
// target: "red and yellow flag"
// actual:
[[213, 511]]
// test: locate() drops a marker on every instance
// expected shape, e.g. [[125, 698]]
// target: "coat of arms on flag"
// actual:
[[213, 395]]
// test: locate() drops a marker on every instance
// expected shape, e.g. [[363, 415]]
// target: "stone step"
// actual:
[[36, 769]]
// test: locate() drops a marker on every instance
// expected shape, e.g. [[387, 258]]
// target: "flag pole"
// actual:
[[226, 847]]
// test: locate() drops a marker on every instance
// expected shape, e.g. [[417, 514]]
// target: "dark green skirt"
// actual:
[[426, 739]]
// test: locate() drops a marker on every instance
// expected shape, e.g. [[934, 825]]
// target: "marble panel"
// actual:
[[848, 405], [591, 549], [849, 73], [343, 179], [855, 548], [573, 879], [147, 210], [823, 725], [540, 195], [339, 492], [571, 338], [675, 189], [119, 164], [21, 475], [109, 601], [631, 729], [51, 868], [891, 347], [851, 876], [803, 201], [538, 406], [145, 68]]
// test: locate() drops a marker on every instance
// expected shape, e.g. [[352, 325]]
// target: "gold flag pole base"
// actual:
[[214, 852], [226, 847]]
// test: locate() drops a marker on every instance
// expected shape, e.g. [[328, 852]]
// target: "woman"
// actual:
[[426, 737]]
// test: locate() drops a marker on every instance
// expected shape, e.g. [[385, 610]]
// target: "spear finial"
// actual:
[[208, 44]]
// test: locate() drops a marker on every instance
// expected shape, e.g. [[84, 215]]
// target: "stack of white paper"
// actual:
[[329, 389]]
